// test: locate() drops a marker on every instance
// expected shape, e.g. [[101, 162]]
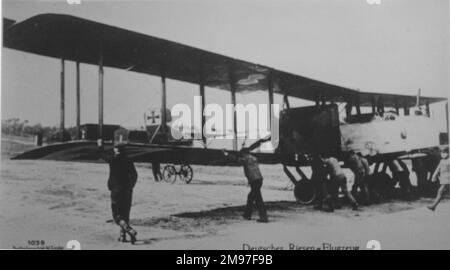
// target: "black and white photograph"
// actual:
[[245, 125]]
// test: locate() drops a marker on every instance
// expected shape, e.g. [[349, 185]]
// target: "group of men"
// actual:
[[328, 178], [327, 175]]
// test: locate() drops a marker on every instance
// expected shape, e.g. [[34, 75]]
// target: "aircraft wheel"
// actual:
[[304, 192], [382, 184], [169, 174], [186, 173]]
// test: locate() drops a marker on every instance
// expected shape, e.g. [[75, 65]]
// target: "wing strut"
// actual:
[[100, 96], [163, 105], [78, 100], [233, 101], [62, 100], [270, 88], [202, 94], [446, 122], [286, 101]]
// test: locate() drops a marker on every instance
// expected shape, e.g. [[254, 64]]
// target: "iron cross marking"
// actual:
[[153, 117]]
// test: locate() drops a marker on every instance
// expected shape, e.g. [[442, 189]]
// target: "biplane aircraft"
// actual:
[[372, 123]]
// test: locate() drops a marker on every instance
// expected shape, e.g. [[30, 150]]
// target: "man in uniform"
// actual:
[[442, 174], [361, 170], [156, 169], [121, 181], [255, 180], [339, 180], [321, 184]]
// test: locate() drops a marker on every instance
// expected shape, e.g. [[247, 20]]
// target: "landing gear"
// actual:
[[383, 185], [424, 168], [304, 192]]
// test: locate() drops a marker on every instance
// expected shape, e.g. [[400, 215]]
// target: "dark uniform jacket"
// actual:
[[319, 170], [122, 173]]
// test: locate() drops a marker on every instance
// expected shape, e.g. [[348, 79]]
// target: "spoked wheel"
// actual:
[[169, 174], [304, 192], [186, 173]]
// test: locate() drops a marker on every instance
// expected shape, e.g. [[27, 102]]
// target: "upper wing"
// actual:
[[77, 39]]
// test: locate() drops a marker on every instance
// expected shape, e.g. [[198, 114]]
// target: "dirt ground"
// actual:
[[45, 204]]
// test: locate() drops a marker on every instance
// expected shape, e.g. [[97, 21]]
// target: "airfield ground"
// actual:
[[61, 201]]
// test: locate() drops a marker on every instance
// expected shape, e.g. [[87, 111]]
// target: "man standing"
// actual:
[[320, 181], [361, 170], [255, 180], [156, 169], [339, 179], [367, 174], [121, 181], [442, 174]]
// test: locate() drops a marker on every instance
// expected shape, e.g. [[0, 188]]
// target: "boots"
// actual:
[[122, 236], [248, 211], [132, 233], [128, 230], [329, 202], [262, 214]]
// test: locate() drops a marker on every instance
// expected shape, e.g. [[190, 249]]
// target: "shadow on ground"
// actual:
[[212, 222]]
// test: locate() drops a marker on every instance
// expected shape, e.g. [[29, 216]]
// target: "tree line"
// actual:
[[18, 127]]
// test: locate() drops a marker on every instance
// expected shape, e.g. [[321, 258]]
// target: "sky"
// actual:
[[397, 46]]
